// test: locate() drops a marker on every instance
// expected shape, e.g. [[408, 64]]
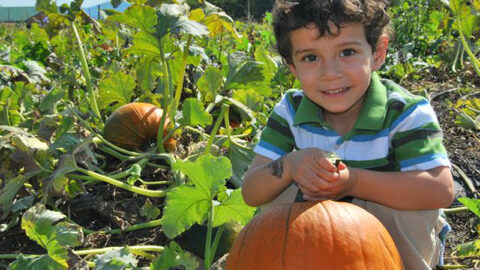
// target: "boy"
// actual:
[[393, 162]]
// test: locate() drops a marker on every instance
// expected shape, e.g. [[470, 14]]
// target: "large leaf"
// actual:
[[117, 87], [173, 257], [187, 205], [172, 18], [233, 209], [38, 223], [145, 44], [148, 71], [142, 17], [210, 83], [194, 114], [245, 74]]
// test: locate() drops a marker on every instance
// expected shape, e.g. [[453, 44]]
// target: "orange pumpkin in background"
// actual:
[[314, 235], [134, 126]]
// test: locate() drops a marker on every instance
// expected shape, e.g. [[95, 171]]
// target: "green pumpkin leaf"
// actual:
[[174, 257], [194, 114], [248, 97], [233, 209], [116, 259], [8, 193], [472, 204], [187, 205], [117, 87], [172, 18], [471, 248], [36, 263], [150, 211], [241, 159], [244, 74], [145, 44], [210, 83], [38, 223], [48, 103], [147, 72], [142, 17]]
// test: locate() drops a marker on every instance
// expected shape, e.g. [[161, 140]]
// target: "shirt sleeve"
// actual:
[[277, 139], [418, 140]]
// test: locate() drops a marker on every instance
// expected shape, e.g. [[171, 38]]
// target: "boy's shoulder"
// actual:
[[397, 94]]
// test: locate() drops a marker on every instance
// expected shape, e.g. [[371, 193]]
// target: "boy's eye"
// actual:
[[309, 58], [347, 52]]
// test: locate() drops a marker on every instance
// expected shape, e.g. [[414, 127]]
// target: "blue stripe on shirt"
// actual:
[[421, 159], [272, 148]]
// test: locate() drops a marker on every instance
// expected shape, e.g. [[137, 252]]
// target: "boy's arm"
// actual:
[[267, 178], [264, 180], [409, 190]]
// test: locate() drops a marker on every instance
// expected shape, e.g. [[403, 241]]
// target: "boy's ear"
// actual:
[[292, 68], [380, 53]]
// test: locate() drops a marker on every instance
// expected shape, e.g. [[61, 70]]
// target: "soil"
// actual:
[[109, 207]]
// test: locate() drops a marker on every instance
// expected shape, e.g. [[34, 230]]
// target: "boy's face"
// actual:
[[335, 70]]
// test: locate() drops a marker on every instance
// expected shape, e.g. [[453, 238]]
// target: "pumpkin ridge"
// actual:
[[285, 238], [332, 229], [358, 229]]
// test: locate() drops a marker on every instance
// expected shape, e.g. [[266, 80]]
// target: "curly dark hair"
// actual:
[[289, 15]]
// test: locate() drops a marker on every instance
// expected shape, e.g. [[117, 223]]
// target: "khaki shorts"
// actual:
[[415, 233]]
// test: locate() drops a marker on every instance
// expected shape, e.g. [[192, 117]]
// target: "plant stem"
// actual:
[[178, 91], [145, 225], [455, 210], [215, 128], [151, 248], [475, 61], [88, 78], [216, 240], [208, 241], [229, 135], [141, 191], [133, 249], [166, 100]]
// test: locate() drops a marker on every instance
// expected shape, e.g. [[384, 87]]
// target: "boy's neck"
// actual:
[[344, 122]]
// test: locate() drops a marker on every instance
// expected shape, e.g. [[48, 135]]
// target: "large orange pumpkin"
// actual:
[[314, 235], [134, 126]]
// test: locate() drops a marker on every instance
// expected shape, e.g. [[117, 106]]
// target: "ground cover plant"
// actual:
[[72, 195]]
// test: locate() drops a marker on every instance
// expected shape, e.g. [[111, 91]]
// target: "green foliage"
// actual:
[[116, 259], [174, 256], [194, 114]]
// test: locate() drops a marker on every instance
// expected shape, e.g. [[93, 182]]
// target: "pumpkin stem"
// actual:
[[88, 78]]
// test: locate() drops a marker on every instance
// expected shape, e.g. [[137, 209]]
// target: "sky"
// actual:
[[31, 3]]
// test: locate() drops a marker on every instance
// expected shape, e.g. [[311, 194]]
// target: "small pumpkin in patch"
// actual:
[[314, 235], [134, 126]]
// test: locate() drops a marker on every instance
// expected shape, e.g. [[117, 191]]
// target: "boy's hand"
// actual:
[[311, 169], [333, 189]]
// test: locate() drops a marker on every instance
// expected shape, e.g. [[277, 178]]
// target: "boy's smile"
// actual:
[[335, 70]]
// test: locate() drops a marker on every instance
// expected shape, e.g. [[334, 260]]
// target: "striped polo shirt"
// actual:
[[395, 131]]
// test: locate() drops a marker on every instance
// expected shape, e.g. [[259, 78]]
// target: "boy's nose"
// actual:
[[330, 69]]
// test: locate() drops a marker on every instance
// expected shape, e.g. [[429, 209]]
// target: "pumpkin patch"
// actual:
[[314, 235]]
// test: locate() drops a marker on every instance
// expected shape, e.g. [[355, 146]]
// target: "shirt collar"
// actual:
[[371, 116]]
